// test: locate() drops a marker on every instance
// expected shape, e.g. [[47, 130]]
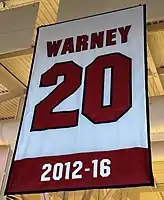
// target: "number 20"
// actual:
[[92, 107]]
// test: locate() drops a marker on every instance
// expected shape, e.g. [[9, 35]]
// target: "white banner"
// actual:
[[85, 122]]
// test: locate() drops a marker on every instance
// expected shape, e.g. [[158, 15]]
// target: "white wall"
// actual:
[[4, 152], [8, 132]]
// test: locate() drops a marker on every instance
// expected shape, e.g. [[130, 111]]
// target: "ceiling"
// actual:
[[19, 63], [14, 74]]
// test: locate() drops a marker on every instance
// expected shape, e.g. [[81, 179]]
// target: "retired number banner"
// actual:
[[85, 123]]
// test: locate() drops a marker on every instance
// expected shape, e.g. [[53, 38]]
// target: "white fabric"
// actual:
[[129, 131], [4, 153]]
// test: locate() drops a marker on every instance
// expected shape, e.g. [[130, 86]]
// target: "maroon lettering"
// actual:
[[44, 117], [53, 48], [86, 42], [68, 46], [110, 36], [97, 40], [82, 43], [124, 33], [92, 107]]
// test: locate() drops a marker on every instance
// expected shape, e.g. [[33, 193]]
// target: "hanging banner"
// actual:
[[85, 123]]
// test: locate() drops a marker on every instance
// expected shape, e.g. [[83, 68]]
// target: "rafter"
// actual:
[[24, 197], [20, 53], [109, 194], [155, 26], [12, 94], [158, 188], [44, 196], [87, 195], [160, 195], [65, 195]]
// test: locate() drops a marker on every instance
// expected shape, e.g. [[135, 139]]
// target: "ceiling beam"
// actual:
[[160, 71], [44, 196], [9, 81], [24, 197], [20, 53], [157, 188], [157, 137], [109, 194], [12, 94], [133, 195], [87, 195], [65, 195], [155, 26], [160, 195], [154, 71], [3, 67]]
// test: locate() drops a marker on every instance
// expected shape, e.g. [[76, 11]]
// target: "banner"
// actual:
[[85, 123]]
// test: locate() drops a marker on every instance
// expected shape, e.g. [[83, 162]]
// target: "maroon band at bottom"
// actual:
[[127, 167]]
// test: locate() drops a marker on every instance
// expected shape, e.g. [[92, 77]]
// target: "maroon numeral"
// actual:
[[120, 96], [44, 118], [92, 108]]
